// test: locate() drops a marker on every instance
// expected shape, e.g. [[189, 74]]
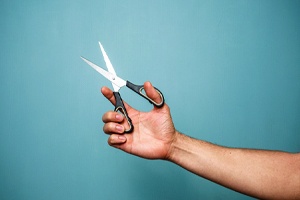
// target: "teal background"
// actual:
[[229, 70]]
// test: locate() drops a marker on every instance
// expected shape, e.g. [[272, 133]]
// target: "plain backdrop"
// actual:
[[229, 70]]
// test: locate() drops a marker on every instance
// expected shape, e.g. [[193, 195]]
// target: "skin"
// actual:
[[262, 174]]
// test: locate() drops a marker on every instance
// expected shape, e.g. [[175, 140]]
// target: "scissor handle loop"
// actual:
[[119, 107], [139, 90]]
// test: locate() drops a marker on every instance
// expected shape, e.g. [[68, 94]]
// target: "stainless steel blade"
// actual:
[[115, 80], [107, 61]]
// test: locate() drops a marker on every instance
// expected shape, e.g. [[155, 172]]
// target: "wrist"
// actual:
[[174, 146]]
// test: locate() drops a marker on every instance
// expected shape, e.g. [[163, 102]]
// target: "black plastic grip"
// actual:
[[139, 88], [119, 106]]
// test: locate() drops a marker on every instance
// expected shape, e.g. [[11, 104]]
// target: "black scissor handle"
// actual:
[[119, 107], [139, 89]]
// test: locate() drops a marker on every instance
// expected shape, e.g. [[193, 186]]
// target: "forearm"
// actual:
[[263, 174]]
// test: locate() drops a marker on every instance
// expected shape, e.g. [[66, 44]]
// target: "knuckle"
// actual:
[[109, 128], [109, 141], [106, 117], [103, 117], [106, 128]]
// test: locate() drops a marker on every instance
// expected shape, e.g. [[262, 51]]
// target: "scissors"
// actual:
[[118, 83]]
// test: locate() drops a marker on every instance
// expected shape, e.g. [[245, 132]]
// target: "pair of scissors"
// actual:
[[118, 83]]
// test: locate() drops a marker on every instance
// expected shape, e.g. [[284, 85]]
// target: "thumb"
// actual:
[[152, 93]]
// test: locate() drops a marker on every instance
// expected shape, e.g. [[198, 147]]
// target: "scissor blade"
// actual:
[[106, 74], [107, 61], [116, 81]]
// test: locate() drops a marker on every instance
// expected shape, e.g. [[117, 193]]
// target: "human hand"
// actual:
[[153, 131]]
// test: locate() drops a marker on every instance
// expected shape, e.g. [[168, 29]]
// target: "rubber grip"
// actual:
[[119, 106], [139, 88]]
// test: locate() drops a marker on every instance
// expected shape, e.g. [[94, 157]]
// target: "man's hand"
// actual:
[[153, 131]]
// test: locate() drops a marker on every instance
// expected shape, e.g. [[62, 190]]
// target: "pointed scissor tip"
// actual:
[[84, 59], [100, 45]]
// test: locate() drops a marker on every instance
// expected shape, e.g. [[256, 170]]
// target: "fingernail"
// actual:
[[119, 117], [119, 127], [122, 138]]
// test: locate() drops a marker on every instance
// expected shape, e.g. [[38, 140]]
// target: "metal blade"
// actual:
[[115, 80], [107, 61]]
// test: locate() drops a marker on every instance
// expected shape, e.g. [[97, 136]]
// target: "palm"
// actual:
[[152, 134]]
